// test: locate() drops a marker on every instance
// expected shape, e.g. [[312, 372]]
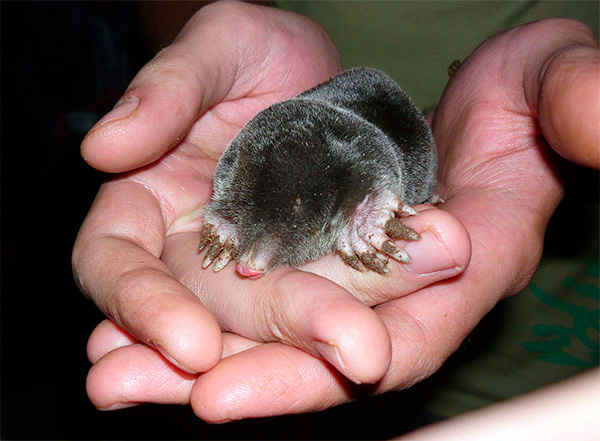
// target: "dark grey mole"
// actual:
[[332, 169]]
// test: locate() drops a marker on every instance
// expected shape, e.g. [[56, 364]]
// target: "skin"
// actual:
[[567, 410], [498, 176]]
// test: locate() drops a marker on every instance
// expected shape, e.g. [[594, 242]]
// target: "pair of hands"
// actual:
[[299, 340]]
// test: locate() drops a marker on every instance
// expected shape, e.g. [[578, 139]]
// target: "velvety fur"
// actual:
[[291, 179]]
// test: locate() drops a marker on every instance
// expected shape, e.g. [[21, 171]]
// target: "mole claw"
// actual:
[[202, 244], [453, 67], [222, 261], [206, 262], [399, 254], [213, 251], [406, 209], [232, 250], [228, 253], [371, 261], [351, 260], [395, 229], [205, 236], [436, 199]]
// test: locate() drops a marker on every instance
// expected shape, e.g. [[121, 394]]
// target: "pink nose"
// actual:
[[251, 273]]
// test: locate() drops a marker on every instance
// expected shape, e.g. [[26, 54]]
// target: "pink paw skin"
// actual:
[[368, 240], [248, 272]]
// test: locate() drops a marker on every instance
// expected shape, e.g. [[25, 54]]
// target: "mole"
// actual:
[[334, 169]]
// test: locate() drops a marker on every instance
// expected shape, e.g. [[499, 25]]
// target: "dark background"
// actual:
[[63, 66]]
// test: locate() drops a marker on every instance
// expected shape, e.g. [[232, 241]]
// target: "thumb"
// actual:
[[566, 93], [167, 96]]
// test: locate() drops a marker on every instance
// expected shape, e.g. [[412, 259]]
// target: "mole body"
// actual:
[[331, 170]]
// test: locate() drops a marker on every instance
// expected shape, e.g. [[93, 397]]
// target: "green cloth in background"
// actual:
[[415, 41], [549, 331]]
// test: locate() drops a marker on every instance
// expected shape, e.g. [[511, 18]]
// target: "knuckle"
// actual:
[[134, 300]]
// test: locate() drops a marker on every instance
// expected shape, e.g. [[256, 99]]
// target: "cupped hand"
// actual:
[[171, 126], [136, 255], [522, 94]]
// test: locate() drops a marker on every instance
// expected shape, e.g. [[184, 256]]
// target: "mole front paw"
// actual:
[[221, 246], [368, 240]]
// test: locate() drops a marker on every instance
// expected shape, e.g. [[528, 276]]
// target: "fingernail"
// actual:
[[165, 354], [429, 255], [331, 353], [123, 109], [117, 406]]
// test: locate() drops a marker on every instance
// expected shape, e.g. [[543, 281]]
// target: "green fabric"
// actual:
[[415, 41], [550, 331], [544, 334]]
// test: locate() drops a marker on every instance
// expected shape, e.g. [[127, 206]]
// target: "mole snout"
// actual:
[[332, 170]]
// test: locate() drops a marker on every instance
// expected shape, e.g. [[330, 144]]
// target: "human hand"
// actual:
[[229, 62], [499, 177], [196, 96], [324, 388]]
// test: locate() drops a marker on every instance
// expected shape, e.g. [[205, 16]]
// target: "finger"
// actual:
[[233, 343], [494, 166], [130, 374], [164, 100], [566, 94], [268, 380], [445, 244], [442, 253], [290, 306], [194, 74], [554, 79], [425, 327], [115, 261], [106, 337], [136, 374]]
